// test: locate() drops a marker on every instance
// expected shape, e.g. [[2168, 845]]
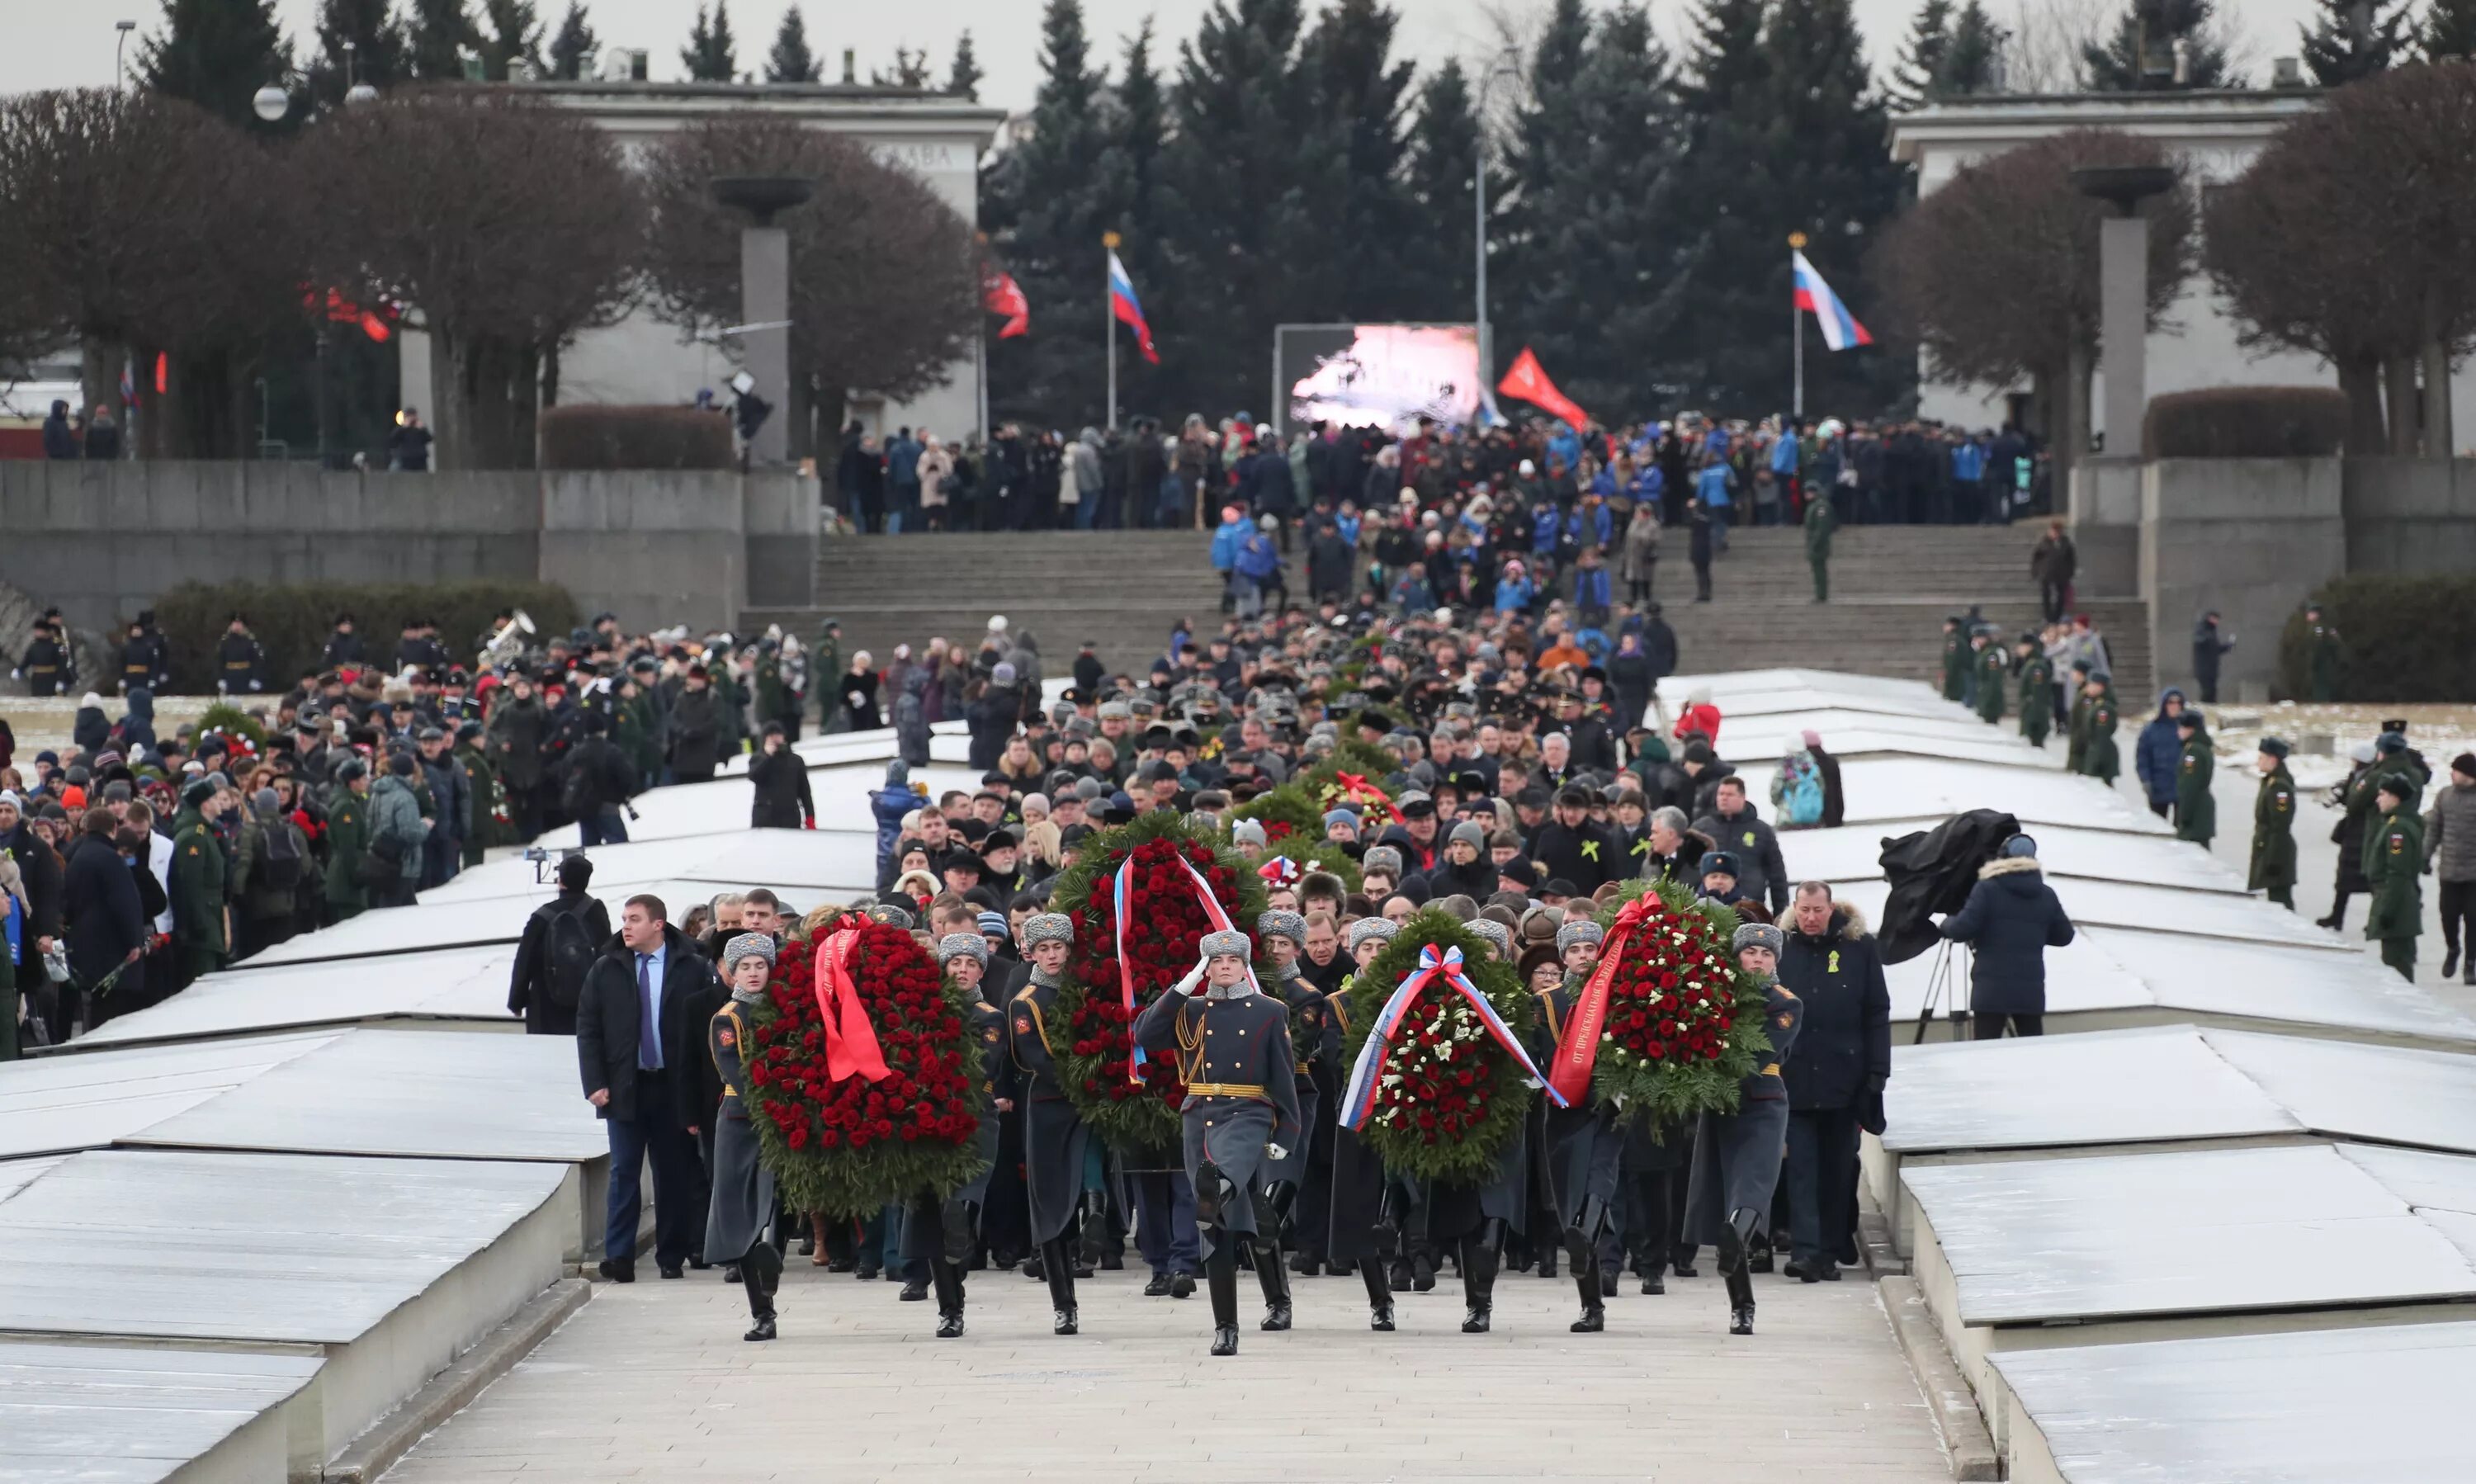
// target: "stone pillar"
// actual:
[[765, 299], [2123, 330]]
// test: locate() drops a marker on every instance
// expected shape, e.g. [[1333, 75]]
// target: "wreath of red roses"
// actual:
[[849, 1146], [1684, 1024]]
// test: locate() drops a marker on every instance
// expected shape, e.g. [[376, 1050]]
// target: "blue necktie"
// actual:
[[649, 1035]]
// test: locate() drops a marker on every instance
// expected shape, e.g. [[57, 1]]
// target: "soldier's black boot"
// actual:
[[1221, 1277], [761, 1303], [1379, 1296], [1595, 1308], [1741, 1303], [1274, 1278], [1060, 1273], [1736, 1240], [949, 1279], [1479, 1264]]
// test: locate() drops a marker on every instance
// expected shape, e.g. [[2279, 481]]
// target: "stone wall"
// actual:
[[2248, 537], [102, 540], [2410, 515]]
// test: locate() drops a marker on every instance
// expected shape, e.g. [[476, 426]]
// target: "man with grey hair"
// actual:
[[1054, 1138], [1835, 1078], [1675, 848]]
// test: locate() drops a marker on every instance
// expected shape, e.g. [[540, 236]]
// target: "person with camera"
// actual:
[[2011, 919]]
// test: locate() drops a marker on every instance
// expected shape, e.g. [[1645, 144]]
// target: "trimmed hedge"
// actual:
[[2245, 422], [2406, 638], [591, 437], [293, 623]]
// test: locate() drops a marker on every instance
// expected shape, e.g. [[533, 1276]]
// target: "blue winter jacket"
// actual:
[[1588, 527], [1543, 530], [2160, 752], [1226, 538]]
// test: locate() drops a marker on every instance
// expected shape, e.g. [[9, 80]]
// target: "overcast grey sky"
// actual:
[[61, 43]]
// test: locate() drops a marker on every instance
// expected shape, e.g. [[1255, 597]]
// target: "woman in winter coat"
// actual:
[[857, 692], [1639, 558], [936, 467], [993, 715], [2011, 919], [92, 732]]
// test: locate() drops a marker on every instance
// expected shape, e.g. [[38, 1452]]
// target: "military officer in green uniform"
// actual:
[[487, 804], [2273, 826], [2099, 758], [1993, 670], [201, 881], [2322, 651], [348, 840], [1955, 659], [1820, 521], [2393, 860], [2037, 690], [2196, 812]]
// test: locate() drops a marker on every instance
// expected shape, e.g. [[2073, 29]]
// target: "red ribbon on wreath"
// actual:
[[1354, 784], [1577, 1049], [851, 1040]]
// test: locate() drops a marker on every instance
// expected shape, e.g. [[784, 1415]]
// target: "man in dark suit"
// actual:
[[637, 1040]]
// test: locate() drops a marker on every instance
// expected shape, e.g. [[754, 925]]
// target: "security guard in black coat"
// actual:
[[1241, 1113]]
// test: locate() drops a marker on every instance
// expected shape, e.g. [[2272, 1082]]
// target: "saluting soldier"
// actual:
[[943, 1229], [2273, 826], [2037, 691], [1581, 1148], [1362, 1230], [2196, 811], [1054, 1138], [742, 1208], [2393, 860], [1737, 1156], [1241, 1117]]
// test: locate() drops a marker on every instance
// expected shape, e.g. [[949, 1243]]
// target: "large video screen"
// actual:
[[1386, 376]]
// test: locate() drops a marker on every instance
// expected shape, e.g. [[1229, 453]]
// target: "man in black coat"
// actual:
[[107, 924], [1573, 848], [783, 801], [637, 1040], [1835, 1073], [2011, 919], [537, 990], [1330, 563]]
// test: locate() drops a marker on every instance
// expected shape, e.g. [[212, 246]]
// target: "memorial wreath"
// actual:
[[1668, 1025]]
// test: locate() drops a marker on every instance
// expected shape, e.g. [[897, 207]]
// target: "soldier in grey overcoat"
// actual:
[[1737, 1156], [944, 1227], [1055, 1140], [742, 1208]]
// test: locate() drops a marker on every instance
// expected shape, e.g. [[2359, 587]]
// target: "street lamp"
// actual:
[[270, 104], [355, 91], [120, 77]]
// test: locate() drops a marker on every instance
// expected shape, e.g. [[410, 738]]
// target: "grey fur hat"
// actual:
[[1382, 857], [746, 945], [1760, 936], [1580, 933], [1047, 927], [1367, 927], [1495, 932], [1226, 941], [963, 945], [1277, 924]]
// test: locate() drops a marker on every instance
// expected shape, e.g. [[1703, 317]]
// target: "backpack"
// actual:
[[578, 794], [571, 954], [279, 864]]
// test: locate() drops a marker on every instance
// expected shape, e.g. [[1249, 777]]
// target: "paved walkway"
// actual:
[[651, 1381]]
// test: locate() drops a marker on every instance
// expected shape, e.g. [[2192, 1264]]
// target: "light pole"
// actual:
[[270, 103], [1504, 63], [119, 45]]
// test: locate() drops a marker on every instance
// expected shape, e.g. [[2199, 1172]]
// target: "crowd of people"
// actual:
[[1148, 476]]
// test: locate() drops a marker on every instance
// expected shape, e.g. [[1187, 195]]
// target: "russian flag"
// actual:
[[1840, 328], [1127, 308]]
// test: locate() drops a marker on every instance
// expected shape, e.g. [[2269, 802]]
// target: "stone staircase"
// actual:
[[1891, 589]]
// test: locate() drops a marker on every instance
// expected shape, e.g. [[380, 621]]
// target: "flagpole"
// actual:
[[1796, 327], [1109, 322]]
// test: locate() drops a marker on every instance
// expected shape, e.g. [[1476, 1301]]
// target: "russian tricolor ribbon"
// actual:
[[851, 1040], [1577, 1049], [1359, 1101]]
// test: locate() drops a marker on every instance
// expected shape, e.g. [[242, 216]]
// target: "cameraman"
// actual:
[[2011, 919]]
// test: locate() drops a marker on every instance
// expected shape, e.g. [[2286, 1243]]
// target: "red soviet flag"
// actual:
[[1528, 381], [1001, 294]]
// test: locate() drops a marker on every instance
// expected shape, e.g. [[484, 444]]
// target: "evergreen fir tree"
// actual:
[[1135, 121], [572, 50], [2158, 25], [1975, 53], [963, 77], [1441, 175], [911, 70], [438, 32], [1352, 169], [512, 44], [712, 52], [1041, 208], [1242, 223], [218, 53], [377, 57], [2449, 30], [1951, 52], [1917, 78], [2337, 52], [1727, 59], [791, 61]]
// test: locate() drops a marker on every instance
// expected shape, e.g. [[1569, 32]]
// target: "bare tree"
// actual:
[[884, 276], [1995, 274], [2347, 238], [505, 223]]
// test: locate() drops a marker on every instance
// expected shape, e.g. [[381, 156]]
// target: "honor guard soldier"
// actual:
[[742, 1208], [1580, 1146], [1241, 1114], [1362, 1231], [942, 1231], [1284, 936], [1737, 1156], [1054, 1138]]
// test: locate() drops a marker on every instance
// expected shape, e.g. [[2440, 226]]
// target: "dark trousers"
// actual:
[[604, 827], [2050, 598], [1990, 1027], [2458, 906], [1821, 1170], [1165, 1222], [654, 1134], [1701, 579]]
